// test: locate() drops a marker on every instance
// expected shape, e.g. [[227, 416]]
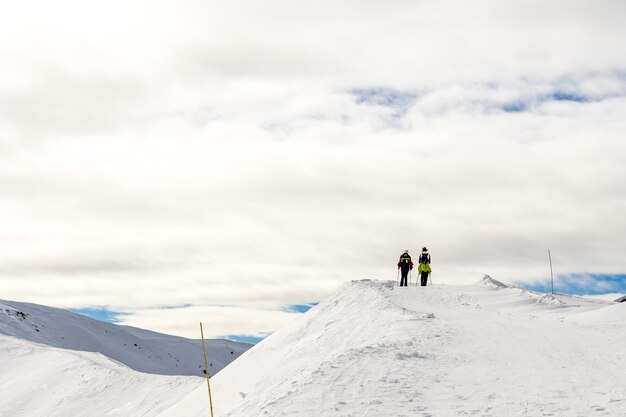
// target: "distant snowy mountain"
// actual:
[[374, 349], [141, 350]]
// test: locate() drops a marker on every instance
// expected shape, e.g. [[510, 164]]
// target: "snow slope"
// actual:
[[38, 381], [141, 350], [374, 349]]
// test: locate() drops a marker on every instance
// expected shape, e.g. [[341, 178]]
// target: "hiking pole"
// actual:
[[206, 367], [410, 278], [430, 275], [398, 279]]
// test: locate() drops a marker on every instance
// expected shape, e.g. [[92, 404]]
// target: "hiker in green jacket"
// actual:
[[424, 266]]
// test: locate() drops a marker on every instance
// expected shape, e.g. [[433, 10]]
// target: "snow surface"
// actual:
[[141, 350], [607, 297], [38, 381], [371, 349], [375, 349]]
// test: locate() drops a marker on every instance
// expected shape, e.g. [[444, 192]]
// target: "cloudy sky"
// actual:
[[233, 161]]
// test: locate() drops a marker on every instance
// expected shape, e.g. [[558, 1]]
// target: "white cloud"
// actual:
[[218, 321], [217, 153]]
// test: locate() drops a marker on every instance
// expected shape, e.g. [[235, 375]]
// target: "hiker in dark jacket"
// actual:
[[424, 266], [405, 264]]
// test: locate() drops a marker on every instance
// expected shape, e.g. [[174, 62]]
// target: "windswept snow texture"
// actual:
[[374, 349], [141, 350], [38, 381]]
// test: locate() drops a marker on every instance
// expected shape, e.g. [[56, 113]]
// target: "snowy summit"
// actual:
[[481, 350], [372, 348]]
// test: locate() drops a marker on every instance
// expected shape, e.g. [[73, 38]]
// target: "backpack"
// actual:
[[424, 258], [405, 258]]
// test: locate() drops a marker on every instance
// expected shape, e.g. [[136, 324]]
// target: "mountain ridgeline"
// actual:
[[139, 349], [370, 349]]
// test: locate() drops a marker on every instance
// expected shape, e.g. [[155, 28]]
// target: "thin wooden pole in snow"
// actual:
[[206, 367], [551, 273]]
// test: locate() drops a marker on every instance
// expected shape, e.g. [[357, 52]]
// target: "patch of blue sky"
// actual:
[[521, 106], [299, 308], [253, 340], [516, 107], [584, 284], [111, 316], [176, 306], [567, 96], [98, 313], [399, 101]]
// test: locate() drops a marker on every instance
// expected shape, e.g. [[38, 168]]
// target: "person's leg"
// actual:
[[424, 278], [405, 273]]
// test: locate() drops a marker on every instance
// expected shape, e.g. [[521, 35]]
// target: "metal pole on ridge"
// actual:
[[206, 367], [551, 273]]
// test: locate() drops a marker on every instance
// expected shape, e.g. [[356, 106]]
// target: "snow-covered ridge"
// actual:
[[373, 348], [141, 350], [553, 300], [487, 280]]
